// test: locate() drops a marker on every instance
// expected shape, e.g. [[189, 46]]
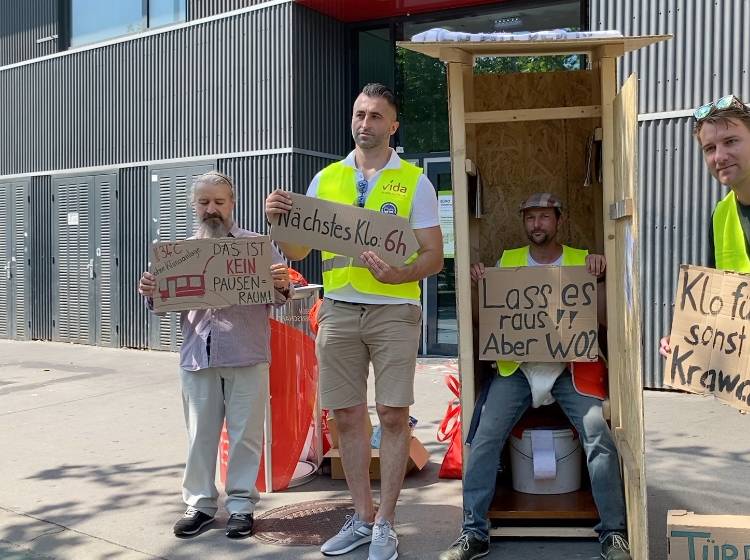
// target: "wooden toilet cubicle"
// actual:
[[515, 134]]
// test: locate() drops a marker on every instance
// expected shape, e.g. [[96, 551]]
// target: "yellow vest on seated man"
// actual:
[[393, 194], [589, 378]]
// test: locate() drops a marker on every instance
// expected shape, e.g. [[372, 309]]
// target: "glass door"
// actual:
[[440, 336]]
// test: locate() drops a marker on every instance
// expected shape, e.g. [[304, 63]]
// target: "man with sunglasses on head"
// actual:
[[371, 313], [722, 129]]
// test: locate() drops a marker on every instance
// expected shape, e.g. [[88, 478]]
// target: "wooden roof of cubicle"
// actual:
[[612, 46]]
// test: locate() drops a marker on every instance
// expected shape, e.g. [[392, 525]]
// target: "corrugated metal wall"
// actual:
[[22, 24], [215, 87], [133, 254], [677, 196], [254, 179], [706, 59], [41, 236], [322, 102], [275, 78], [322, 76], [204, 8]]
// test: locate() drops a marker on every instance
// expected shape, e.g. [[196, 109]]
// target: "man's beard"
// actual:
[[368, 142], [212, 227], [545, 240]]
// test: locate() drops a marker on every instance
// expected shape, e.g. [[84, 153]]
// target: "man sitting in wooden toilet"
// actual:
[[519, 386]]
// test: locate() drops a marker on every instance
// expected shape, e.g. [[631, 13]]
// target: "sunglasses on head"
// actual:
[[725, 102]]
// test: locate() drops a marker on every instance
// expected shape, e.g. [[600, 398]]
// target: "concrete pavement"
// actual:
[[94, 447]]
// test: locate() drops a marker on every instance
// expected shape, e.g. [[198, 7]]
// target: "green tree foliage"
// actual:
[[423, 92]]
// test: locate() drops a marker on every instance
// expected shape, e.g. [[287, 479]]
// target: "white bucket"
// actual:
[[567, 450]]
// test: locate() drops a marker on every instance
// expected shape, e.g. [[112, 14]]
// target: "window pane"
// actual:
[[165, 12], [375, 57], [94, 20]]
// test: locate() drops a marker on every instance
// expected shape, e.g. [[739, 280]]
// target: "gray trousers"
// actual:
[[208, 397]]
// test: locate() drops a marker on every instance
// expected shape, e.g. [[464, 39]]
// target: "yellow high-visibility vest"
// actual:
[[393, 194], [730, 247]]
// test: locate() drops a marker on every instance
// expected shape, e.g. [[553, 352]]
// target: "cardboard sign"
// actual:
[[707, 537], [709, 343], [212, 273], [538, 314], [345, 230]]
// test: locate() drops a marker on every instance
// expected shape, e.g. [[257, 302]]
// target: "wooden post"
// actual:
[[607, 75], [457, 110]]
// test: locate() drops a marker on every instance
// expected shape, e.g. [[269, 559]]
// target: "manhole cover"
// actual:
[[304, 524]]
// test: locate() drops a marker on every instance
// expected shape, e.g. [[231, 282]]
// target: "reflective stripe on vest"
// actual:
[[730, 246], [514, 258], [393, 194]]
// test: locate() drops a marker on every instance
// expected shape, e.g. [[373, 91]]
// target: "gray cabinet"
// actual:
[[14, 260], [85, 264]]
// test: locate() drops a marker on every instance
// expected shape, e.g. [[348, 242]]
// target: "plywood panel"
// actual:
[[627, 343], [519, 158]]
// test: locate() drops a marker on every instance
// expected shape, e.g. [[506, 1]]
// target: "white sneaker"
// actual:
[[354, 533], [384, 545]]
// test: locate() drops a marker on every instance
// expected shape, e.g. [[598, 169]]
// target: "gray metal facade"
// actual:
[[134, 221], [216, 87], [198, 9], [106, 139], [707, 58], [28, 30], [41, 254]]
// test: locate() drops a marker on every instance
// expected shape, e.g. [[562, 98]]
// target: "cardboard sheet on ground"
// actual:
[[710, 351], [538, 314], [718, 537], [212, 273], [345, 230]]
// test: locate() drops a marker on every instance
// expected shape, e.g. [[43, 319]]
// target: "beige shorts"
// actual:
[[350, 336]]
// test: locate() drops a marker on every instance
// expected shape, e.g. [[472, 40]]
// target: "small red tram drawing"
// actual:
[[184, 285]]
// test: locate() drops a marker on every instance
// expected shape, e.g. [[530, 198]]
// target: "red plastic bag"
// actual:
[[296, 278], [450, 430], [312, 316]]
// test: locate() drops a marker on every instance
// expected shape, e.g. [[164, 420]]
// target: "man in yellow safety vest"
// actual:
[[579, 391], [722, 129], [371, 313]]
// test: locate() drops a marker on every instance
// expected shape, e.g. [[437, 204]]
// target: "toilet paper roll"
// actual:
[[543, 454]]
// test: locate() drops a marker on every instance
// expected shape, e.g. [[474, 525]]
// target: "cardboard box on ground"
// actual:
[[418, 455], [707, 537]]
